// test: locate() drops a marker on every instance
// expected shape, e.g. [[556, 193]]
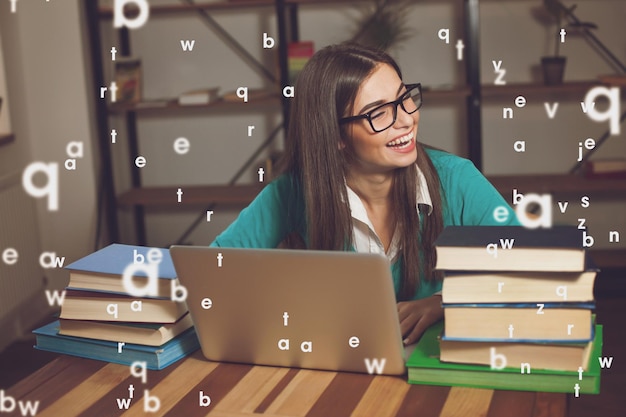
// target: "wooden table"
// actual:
[[70, 386]]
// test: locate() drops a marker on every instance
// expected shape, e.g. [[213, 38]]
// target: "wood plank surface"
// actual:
[[341, 396], [512, 404], [301, 393], [215, 386], [249, 394], [382, 398], [424, 401], [71, 386], [467, 402], [172, 388], [88, 392]]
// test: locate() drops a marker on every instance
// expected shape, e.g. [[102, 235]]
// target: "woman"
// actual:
[[356, 178]]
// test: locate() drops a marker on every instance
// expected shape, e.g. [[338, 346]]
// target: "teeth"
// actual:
[[401, 141]]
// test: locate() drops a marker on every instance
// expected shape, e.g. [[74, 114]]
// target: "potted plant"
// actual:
[[553, 67], [385, 25]]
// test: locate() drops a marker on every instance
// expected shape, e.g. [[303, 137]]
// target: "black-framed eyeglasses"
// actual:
[[384, 116]]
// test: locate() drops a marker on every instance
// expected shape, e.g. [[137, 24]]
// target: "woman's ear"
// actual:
[[341, 145]]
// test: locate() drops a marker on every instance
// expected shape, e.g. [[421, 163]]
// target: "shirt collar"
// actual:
[[422, 199]]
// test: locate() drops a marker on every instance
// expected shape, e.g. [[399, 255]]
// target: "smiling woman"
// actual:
[[355, 178]]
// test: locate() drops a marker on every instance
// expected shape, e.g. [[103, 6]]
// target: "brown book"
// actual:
[[91, 305], [552, 356], [533, 322], [150, 334], [517, 287]]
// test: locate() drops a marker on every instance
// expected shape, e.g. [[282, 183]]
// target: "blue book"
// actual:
[[555, 322], [102, 270], [156, 357]]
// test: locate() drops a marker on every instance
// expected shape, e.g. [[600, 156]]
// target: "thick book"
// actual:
[[510, 248], [151, 334], [517, 287], [103, 269], [554, 356], [156, 357], [556, 322], [425, 367], [90, 305]]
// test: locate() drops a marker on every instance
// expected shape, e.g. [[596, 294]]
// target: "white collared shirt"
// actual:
[[365, 238]]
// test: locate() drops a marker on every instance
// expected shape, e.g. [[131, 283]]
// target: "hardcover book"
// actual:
[[425, 367], [156, 357], [558, 322], [152, 334], [555, 356], [89, 305], [517, 287], [510, 248], [103, 269]]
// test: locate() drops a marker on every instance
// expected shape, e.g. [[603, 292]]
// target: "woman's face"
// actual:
[[378, 152]]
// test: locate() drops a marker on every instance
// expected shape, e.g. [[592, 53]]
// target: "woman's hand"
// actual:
[[418, 315]]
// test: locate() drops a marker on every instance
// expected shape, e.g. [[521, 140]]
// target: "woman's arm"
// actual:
[[275, 213]]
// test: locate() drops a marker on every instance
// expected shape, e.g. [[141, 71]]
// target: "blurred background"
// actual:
[[55, 56]]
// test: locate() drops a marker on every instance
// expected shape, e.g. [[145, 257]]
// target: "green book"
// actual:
[[424, 367]]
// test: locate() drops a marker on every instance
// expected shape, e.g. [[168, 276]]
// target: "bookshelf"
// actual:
[[471, 92], [6, 138]]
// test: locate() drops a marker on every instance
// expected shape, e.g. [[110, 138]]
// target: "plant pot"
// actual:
[[553, 69]]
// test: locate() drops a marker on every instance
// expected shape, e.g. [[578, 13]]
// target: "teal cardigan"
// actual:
[[469, 199]]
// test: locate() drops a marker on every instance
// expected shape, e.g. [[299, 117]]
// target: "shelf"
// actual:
[[172, 106], [529, 89], [107, 12], [6, 138], [192, 195], [558, 184], [436, 94]]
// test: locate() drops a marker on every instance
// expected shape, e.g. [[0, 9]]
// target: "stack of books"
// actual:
[[100, 319], [518, 312], [298, 54]]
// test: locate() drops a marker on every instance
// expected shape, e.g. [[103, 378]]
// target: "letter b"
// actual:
[[268, 41], [495, 357], [151, 403], [4, 408], [205, 400]]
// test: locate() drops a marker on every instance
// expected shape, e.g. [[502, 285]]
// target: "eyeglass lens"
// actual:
[[384, 116]]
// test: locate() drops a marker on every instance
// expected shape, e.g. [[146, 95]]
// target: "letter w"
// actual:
[[123, 403], [507, 243], [605, 362], [28, 408], [375, 365], [55, 298], [187, 45]]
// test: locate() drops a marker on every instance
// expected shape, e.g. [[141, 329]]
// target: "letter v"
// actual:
[[551, 111]]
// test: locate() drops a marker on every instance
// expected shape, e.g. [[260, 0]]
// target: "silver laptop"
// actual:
[[294, 308]]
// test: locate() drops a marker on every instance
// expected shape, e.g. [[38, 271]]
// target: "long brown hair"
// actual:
[[325, 91]]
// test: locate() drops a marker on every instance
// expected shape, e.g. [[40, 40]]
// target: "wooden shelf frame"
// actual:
[[107, 12], [219, 106], [558, 184], [6, 138], [193, 195]]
